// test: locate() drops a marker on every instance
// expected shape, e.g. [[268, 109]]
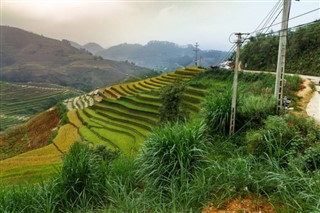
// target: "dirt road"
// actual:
[[313, 108]]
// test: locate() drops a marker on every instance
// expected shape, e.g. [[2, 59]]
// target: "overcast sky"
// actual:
[[113, 22]]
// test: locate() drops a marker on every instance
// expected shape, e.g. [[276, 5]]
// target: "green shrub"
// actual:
[[172, 154], [172, 108]]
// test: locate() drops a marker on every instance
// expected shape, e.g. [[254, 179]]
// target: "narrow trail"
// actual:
[[313, 107]]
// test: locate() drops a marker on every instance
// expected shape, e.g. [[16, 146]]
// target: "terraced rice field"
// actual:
[[19, 102], [119, 117], [126, 113], [40, 163]]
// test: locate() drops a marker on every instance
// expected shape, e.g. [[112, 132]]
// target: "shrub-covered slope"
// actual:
[[303, 53]]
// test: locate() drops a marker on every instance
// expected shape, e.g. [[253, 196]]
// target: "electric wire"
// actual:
[[311, 11]]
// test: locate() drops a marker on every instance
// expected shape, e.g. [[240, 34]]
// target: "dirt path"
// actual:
[[313, 107]]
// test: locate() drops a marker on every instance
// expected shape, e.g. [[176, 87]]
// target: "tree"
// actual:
[[172, 109]]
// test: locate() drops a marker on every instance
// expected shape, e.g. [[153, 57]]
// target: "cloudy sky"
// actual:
[[109, 23]]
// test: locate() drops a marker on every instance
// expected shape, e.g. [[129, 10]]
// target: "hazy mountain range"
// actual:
[[158, 55], [29, 57]]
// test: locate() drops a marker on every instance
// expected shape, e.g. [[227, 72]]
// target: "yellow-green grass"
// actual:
[[147, 86], [31, 162], [193, 99], [140, 103], [127, 123], [90, 136], [29, 174], [138, 86], [118, 124], [125, 143], [117, 88], [195, 91], [161, 82], [129, 106], [125, 113], [109, 94], [149, 98], [125, 88], [188, 71], [73, 118], [195, 69], [149, 82], [133, 89]]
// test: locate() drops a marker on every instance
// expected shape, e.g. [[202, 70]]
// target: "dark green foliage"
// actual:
[[172, 155], [62, 109], [172, 109], [302, 51]]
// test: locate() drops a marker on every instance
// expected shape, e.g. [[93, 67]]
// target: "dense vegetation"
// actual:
[[181, 166], [303, 52]]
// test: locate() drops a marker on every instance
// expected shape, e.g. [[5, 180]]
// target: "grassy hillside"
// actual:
[[270, 164], [19, 102], [119, 117], [30, 57]]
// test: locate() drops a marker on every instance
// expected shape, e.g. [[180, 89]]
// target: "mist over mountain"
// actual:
[[28, 57], [93, 47], [161, 55]]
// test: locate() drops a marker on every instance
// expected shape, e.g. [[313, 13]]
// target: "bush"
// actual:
[[172, 109], [172, 154]]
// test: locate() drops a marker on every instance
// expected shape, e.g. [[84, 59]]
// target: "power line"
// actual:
[[311, 11], [232, 49]]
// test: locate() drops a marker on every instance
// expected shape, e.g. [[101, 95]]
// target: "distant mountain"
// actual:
[[28, 57], [160, 55], [93, 47], [75, 44]]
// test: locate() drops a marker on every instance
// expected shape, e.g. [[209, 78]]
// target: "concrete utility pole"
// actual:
[[235, 85], [196, 50], [282, 55]]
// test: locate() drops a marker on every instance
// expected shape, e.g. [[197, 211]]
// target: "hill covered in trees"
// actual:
[[161, 55], [302, 56]]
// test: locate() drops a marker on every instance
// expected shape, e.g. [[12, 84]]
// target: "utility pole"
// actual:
[[235, 85], [282, 55], [196, 50]]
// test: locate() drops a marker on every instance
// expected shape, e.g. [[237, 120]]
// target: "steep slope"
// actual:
[[30, 57], [160, 55], [120, 118]]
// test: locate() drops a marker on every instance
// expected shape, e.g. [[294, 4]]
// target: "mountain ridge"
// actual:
[[29, 57]]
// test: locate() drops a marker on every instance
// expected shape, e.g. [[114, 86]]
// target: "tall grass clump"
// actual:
[[171, 157], [81, 179], [256, 108], [217, 112]]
